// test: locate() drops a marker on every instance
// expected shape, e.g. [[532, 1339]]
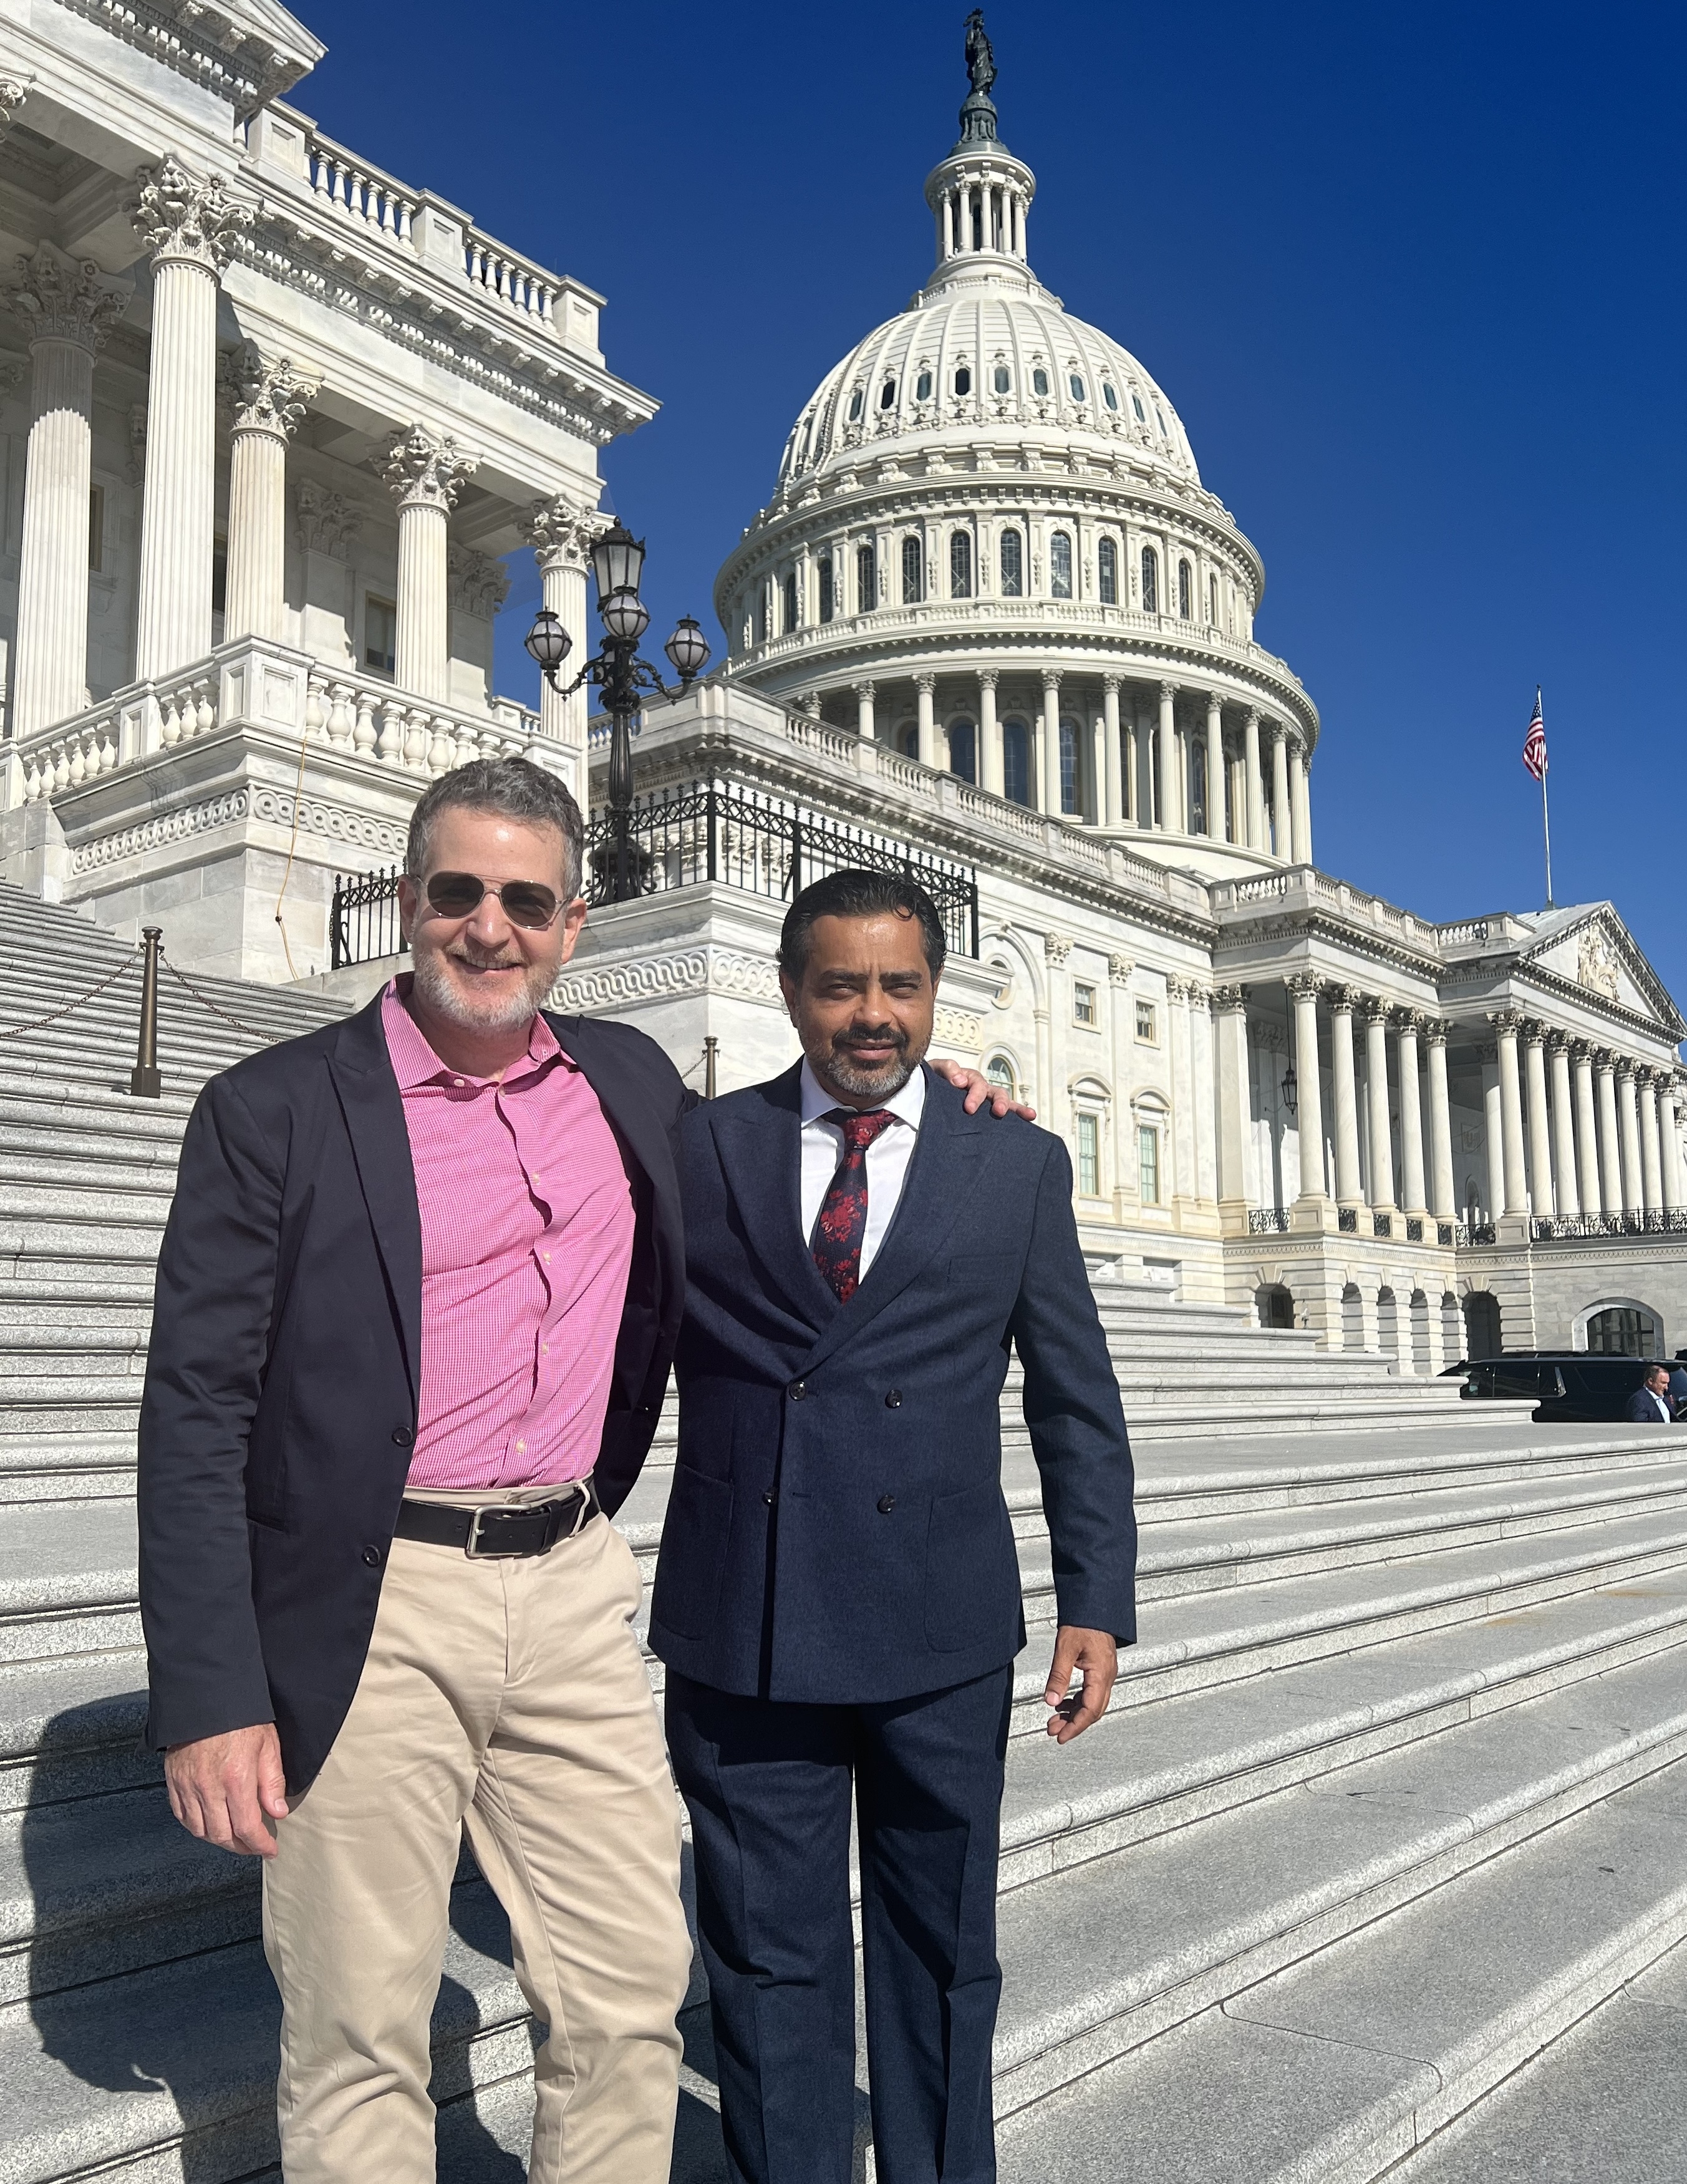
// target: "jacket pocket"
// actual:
[[972, 1569], [694, 1557]]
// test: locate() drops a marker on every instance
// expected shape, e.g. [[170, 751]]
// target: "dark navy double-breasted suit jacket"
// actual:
[[838, 1532]]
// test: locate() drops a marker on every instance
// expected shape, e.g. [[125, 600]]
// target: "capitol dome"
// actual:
[[988, 547]]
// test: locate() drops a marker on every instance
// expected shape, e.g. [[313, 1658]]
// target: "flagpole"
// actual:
[[1547, 830]]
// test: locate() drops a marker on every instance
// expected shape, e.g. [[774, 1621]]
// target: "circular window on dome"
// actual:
[[1075, 384], [857, 404], [922, 387], [887, 394], [1136, 404], [963, 380], [1040, 381], [1110, 395], [1003, 379]]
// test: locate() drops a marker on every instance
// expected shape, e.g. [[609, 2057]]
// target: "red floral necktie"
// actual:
[[842, 1220]]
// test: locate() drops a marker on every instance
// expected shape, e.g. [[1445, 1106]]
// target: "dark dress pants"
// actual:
[[769, 1787]]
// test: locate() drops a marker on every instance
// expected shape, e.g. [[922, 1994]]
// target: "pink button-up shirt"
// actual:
[[526, 1231]]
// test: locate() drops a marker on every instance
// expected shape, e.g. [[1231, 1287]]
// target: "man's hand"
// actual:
[[978, 1088], [222, 1788], [1095, 1653]]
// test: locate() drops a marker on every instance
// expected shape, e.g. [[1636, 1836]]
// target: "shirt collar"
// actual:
[[907, 1106], [415, 1061]]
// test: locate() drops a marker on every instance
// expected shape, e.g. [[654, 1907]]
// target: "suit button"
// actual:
[[769, 1499], [372, 1557], [886, 1502], [798, 1389], [402, 1436], [893, 1401]]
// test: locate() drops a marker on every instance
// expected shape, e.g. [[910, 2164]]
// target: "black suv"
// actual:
[[1573, 1385]]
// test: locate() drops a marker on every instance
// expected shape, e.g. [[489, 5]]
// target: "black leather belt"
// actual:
[[498, 1530]]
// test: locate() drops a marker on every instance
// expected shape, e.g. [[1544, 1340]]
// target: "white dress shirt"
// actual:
[[888, 1157]]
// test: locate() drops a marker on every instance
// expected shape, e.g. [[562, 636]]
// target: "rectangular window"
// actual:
[[1107, 573], [1088, 1156], [825, 599], [1083, 1010], [380, 634], [95, 527], [1013, 565], [218, 574], [866, 579], [1148, 1163], [1145, 1022]]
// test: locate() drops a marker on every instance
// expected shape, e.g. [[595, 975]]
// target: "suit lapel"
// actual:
[[374, 1110], [942, 1178], [761, 1156]]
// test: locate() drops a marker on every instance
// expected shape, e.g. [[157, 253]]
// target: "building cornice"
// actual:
[[244, 55]]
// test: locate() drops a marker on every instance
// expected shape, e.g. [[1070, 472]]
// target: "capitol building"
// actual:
[[274, 420]]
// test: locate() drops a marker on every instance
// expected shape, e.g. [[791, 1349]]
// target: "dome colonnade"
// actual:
[[990, 547]]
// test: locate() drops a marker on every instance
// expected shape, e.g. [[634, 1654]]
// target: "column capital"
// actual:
[[13, 91], [1506, 1022], [1175, 988], [1110, 683], [328, 523], [989, 676], [1229, 1000], [925, 684], [1604, 1060], [1626, 1069], [1119, 970], [1215, 703], [67, 299], [562, 533], [1558, 1042], [1051, 678], [864, 689], [1343, 999], [1168, 693], [476, 582], [1057, 947], [1581, 1051], [1251, 717], [1533, 1031], [266, 394], [186, 219], [1304, 985], [1437, 1030], [1377, 1010], [1410, 1023], [424, 471]]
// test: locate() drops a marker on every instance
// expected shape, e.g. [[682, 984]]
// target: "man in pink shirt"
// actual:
[[416, 1307]]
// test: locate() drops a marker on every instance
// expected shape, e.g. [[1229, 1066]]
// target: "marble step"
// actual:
[[72, 1728], [1337, 2067]]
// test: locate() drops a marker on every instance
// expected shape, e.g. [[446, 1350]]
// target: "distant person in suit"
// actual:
[[1678, 1380], [1649, 1404], [838, 1598]]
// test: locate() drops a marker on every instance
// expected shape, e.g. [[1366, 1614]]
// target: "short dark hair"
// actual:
[[855, 893], [513, 789]]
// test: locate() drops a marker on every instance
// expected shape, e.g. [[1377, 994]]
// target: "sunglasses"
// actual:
[[460, 895]]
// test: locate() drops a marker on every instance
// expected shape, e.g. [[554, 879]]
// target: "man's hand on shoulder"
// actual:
[[1095, 1655], [978, 1088], [226, 1789]]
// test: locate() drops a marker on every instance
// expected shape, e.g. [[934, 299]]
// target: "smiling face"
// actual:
[[480, 980], [863, 1005]]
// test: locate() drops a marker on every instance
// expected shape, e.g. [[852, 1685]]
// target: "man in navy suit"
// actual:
[[1649, 1404], [837, 1599]]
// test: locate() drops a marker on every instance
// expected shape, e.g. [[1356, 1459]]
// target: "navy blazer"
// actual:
[[280, 1404], [838, 1532], [1642, 1411]]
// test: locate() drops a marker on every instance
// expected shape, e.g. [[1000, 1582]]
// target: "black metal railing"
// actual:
[[363, 918], [1548, 1229], [1383, 1225], [1457, 1232], [741, 837], [1347, 1220], [1267, 1220]]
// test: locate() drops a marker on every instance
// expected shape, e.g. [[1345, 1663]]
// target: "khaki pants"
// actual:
[[506, 1698]]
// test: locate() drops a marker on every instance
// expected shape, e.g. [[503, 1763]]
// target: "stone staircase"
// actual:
[[1389, 1800]]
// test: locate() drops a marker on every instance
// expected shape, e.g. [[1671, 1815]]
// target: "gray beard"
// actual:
[[866, 1084], [432, 981]]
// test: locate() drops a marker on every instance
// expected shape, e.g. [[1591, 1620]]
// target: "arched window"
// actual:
[[963, 380], [1150, 581], [1070, 800], [790, 621], [1160, 414], [1136, 404], [1040, 381], [1016, 762], [1624, 1331], [1212, 601], [1184, 589], [1004, 379], [913, 572], [887, 395], [922, 387], [866, 579], [1110, 394], [761, 614], [1107, 573], [1013, 565], [1076, 385], [858, 402], [1000, 1071], [828, 598], [963, 749], [960, 564], [1060, 566]]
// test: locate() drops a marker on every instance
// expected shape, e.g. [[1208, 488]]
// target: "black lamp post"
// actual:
[[617, 563]]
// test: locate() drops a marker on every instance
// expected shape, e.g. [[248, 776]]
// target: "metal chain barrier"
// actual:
[[40, 1023], [246, 1031]]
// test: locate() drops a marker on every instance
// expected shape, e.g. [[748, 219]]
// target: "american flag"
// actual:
[[1534, 743]]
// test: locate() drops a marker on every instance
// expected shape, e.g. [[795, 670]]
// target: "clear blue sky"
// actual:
[[1413, 276]]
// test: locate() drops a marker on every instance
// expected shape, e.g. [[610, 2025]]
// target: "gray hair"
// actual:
[[512, 788], [855, 892]]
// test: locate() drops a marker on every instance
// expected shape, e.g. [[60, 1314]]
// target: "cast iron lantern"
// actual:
[[687, 649], [1291, 1089], [618, 562], [548, 641]]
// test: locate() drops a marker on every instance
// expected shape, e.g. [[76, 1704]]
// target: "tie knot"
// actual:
[[861, 1129]]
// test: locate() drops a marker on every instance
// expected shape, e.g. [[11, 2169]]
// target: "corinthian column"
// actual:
[[1564, 1126], [190, 226], [68, 307], [1113, 798], [425, 475], [1669, 1123], [1442, 1205], [562, 533], [1303, 990], [1610, 1159], [1377, 1100], [1279, 795], [269, 397], [1301, 807], [1053, 802], [1507, 1024], [925, 694], [1633, 1194], [1651, 1168], [1347, 1190], [1215, 766], [1539, 1137], [1587, 1131], [1255, 834], [1165, 758], [1411, 1116], [991, 768]]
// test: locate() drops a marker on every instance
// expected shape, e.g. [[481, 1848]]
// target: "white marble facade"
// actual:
[[271, 418]]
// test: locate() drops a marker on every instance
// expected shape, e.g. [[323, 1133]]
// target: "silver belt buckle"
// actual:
[[472, 1545]]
